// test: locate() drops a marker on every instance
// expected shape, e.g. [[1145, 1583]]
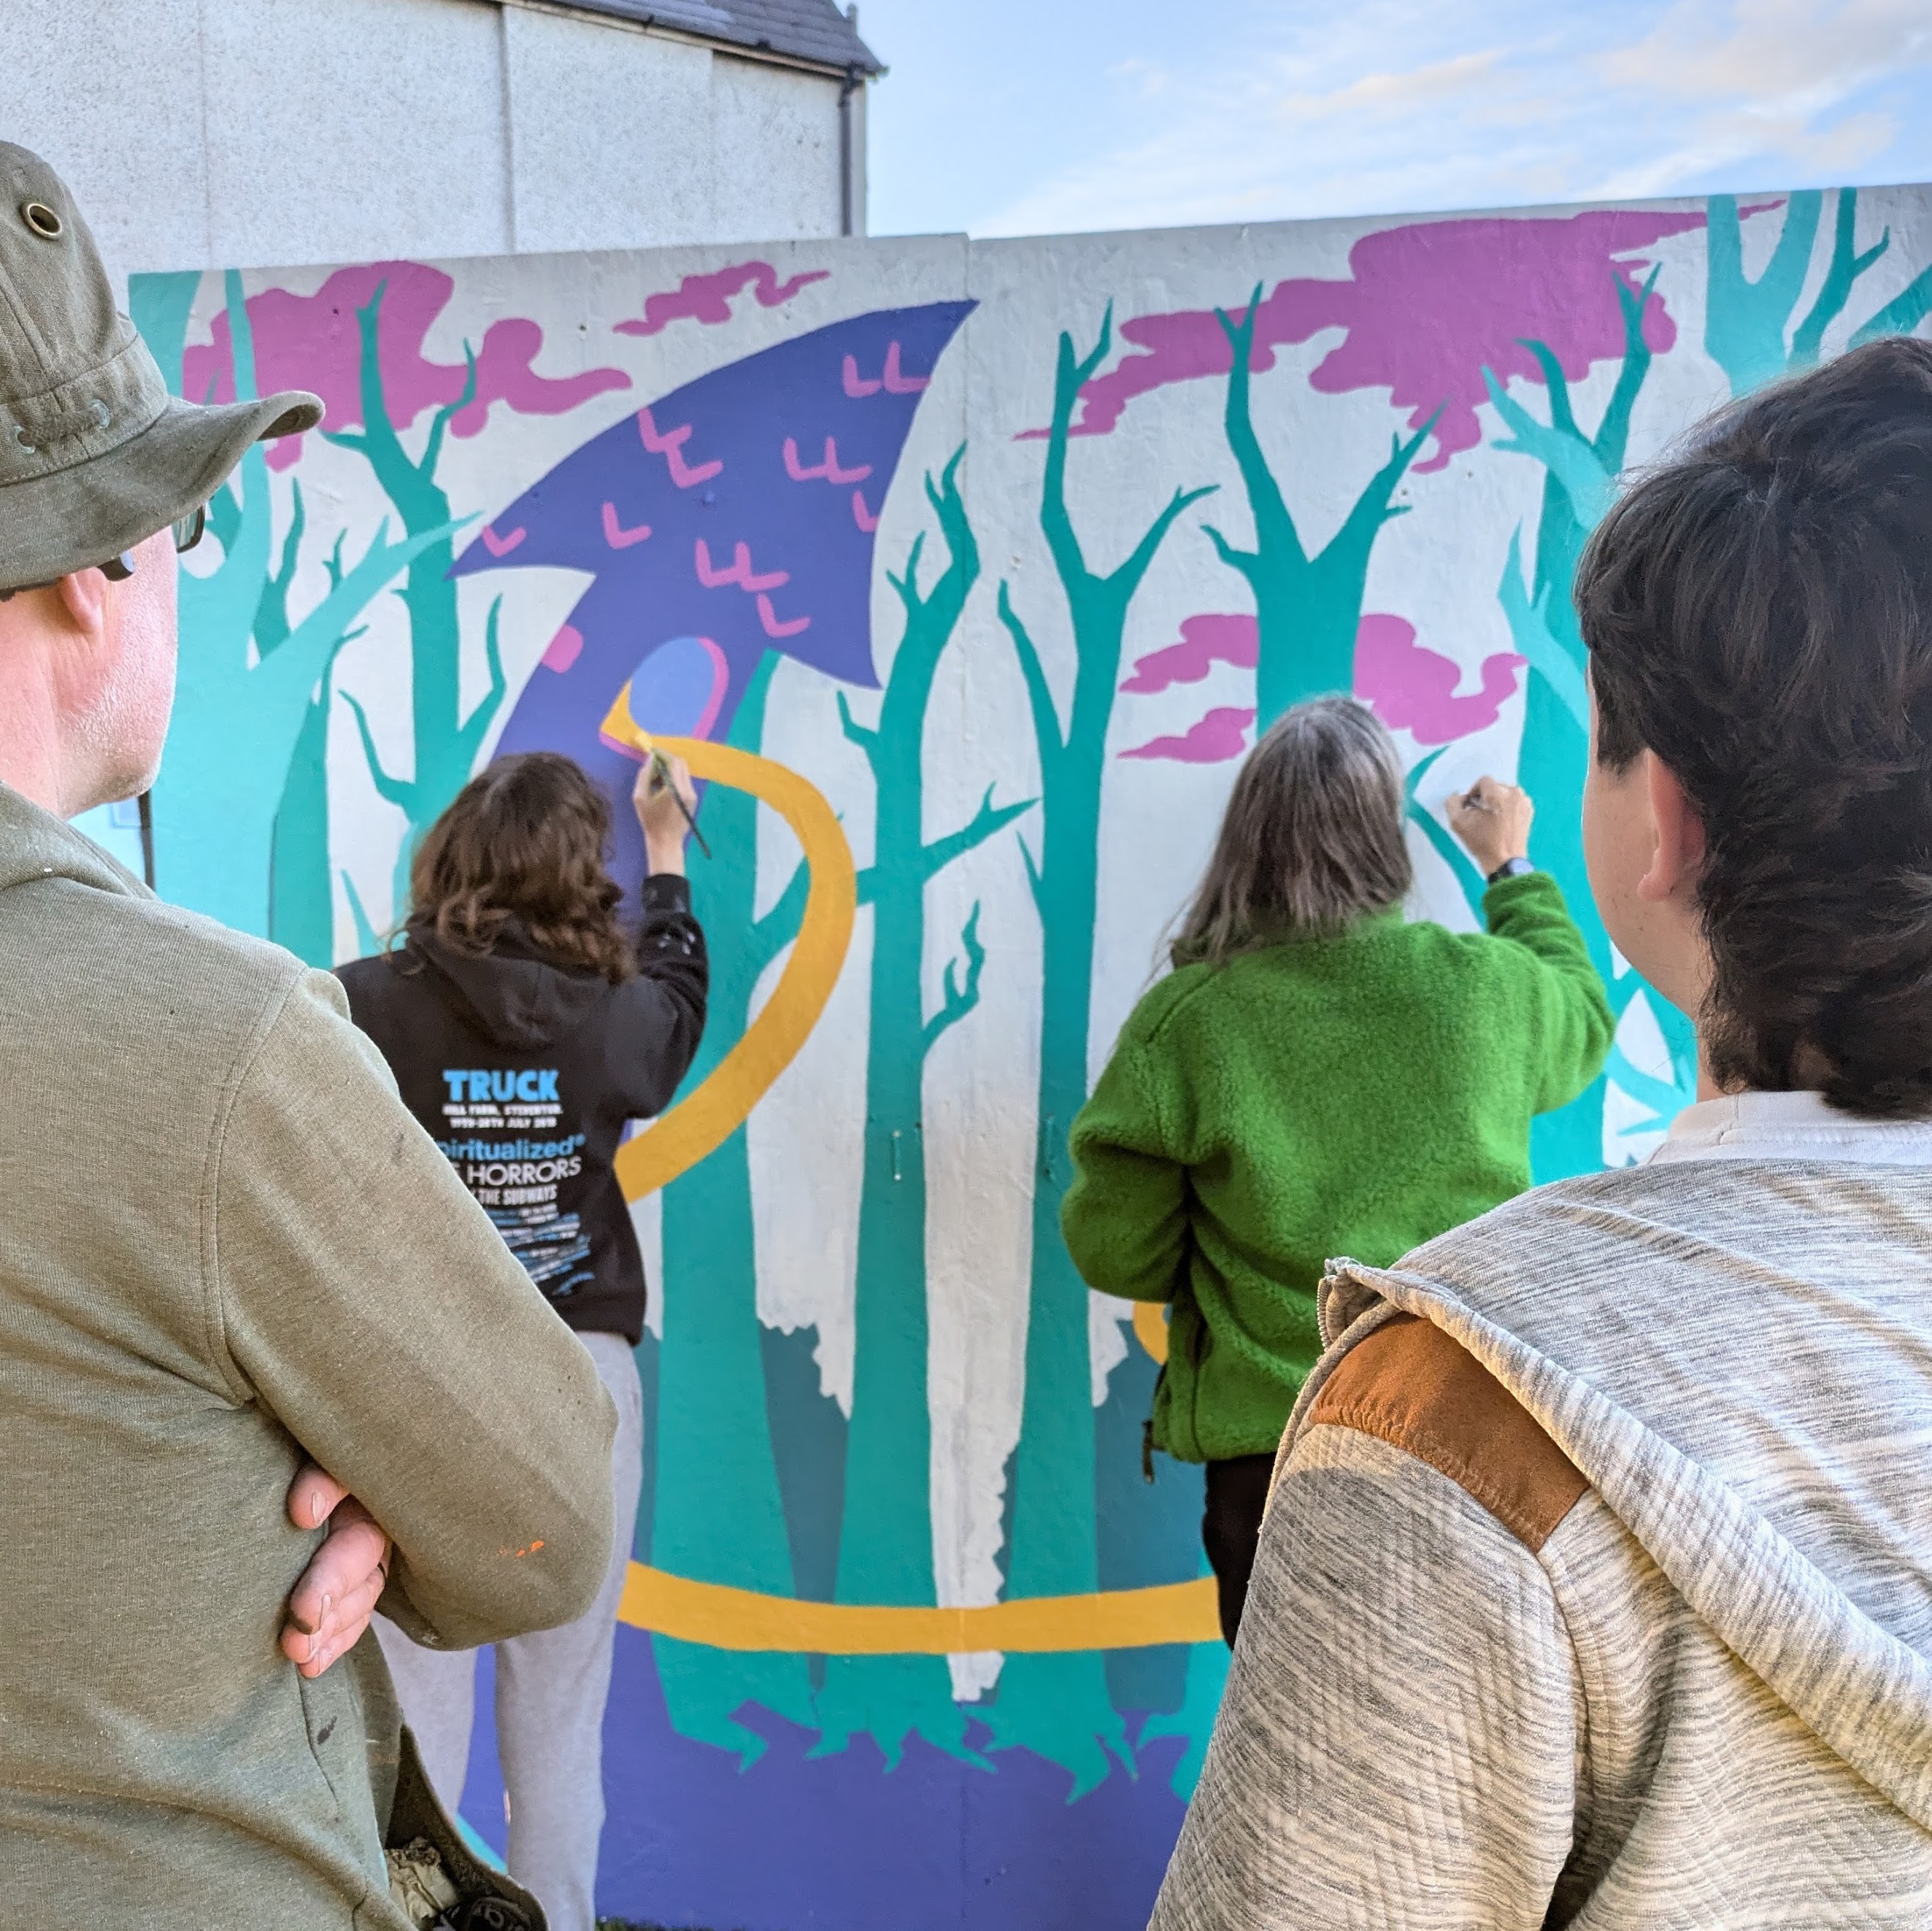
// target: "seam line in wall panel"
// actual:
[[845, 89], [509, 130], [207, 152]]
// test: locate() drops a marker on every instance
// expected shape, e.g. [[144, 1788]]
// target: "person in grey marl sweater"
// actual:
[[1595, 1589]]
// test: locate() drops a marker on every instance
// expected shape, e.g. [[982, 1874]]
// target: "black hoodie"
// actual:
[[524, 1072]]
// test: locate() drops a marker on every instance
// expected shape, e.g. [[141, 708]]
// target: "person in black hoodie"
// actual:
[[526, 1028]]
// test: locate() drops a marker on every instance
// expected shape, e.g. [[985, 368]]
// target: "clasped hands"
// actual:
[[332, 1605]]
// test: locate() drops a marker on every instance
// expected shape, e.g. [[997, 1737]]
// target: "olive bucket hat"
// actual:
[[95, 455]]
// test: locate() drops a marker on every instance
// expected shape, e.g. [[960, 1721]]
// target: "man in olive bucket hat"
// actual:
[[226, 1252]]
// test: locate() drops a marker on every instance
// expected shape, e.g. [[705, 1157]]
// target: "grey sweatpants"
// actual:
[[550, 1691]]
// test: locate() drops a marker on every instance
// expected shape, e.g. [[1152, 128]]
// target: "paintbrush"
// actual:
[[621, 731], [662, 781]]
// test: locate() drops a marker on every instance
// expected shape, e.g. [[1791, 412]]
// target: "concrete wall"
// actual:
[[200, 132]]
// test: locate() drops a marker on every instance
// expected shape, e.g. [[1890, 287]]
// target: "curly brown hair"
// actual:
[[524, 840], [1758, 615]]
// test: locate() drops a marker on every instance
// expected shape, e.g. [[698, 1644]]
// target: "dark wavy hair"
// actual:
[[524, 840], [1311, 839], [1758, 615]]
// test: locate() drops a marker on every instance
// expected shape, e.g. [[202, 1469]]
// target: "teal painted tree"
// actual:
[[301, 900], [447, 738], [376, 382], [717, 1513], [1754, 331], [1307, 609], [1147, 1536], [1579, 480], [1058, 1706], [1752, 328], [303, 922], [885, 1549], [1203, 1680], [300, 906], [237, 724]]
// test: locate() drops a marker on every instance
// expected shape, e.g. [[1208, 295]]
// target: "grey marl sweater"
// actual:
[[1596, 1590]]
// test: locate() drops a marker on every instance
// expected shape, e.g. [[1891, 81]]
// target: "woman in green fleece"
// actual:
[[1317, 1077]]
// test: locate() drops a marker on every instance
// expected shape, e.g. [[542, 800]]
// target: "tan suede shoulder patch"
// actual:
[[1411, 1385]]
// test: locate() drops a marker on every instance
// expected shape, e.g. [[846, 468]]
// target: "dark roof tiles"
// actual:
[[807, 30]]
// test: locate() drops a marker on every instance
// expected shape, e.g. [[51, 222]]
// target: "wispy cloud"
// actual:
[[1769, 79], [1769, 50], [1396, 93], [1148, 78], [1507, 101]]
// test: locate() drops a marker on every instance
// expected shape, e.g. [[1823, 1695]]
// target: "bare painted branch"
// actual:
[[1039, 694], [396, 791], [935, 857], [433, 448], [863, 736], [476, 727], [1847, 265], [960, 997]]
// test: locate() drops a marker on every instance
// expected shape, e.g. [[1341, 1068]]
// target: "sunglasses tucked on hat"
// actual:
[[95, 455]]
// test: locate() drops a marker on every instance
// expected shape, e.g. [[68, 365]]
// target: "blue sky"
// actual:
[[1012, 117]]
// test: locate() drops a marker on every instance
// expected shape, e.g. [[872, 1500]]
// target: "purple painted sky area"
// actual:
[[839, 1843], [312, 342], [740, 508], [1426, 306]]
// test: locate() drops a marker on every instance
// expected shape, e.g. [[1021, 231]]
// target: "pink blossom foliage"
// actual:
[[1413, 688], [312, 342], [1408, 686], [1205, 641], [1426, 306], [1221, 734], [707, 299]]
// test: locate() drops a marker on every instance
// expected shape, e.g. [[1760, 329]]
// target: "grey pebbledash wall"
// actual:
[[196, 133]]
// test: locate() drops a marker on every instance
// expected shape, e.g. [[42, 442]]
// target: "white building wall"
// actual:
[[125, 130], [609, 130], [778, 115], [203, 133], [327, 121]]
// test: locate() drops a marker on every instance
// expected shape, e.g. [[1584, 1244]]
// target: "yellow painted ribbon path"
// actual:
[[715, 1614], [705, 1120], [722, 1617], [1150, 1327]]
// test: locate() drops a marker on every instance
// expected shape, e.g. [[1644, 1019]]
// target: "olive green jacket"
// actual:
[[225, 1245]]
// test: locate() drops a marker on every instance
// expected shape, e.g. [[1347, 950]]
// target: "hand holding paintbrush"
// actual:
[[1492, 819], [666, 801]]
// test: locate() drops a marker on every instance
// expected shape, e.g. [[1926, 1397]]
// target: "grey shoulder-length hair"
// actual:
[[1313, 838]]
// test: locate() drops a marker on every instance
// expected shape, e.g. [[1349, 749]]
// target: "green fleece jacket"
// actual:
[[1356, 1096]]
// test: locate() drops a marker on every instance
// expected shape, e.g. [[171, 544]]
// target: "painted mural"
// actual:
[[964, 574]]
